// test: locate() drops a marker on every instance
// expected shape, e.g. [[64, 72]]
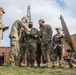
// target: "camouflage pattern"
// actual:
[[15, 30], [46, 33], [46, 48], [31, 47], [22, 45], [2, 29], [31, 51], [15, 40], [57, 48], [15, 49]]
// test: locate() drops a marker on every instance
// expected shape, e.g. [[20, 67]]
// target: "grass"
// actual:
[[8, 70]]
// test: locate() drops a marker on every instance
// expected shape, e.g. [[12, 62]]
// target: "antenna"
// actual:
[[29, 14]]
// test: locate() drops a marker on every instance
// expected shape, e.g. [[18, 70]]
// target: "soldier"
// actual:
[[3, 27], [31, 46], [46, 36], [57, 47], [15, 38]]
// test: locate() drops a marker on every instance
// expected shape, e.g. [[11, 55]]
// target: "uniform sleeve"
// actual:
[[49, 31], [3, 26], [24, 26]]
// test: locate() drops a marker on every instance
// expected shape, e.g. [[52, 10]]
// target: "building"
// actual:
[[6, 51]]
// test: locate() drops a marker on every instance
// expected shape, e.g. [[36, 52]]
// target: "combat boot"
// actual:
[[45, 65], [32, 64], [38, 65], [12, 62], [53, 64], [17, 63], [70, 65], [60, 64], [17, 60]]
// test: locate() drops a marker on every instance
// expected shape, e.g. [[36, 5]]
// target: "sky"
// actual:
[[49, 10]]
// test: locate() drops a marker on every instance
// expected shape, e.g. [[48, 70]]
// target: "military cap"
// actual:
[[41, 20], [24, 18], [2, 9], [30, 22], [58, 28]]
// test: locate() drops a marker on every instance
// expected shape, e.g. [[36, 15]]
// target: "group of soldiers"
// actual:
[[24, 38]]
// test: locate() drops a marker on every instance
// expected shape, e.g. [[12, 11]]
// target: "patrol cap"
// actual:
[[2, 9], [24, 18], [30, 22], [58, 28], [42, 20]]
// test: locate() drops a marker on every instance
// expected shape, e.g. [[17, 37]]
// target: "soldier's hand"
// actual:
[[7, 27]]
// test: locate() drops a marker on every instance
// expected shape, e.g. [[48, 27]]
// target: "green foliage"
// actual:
[[8, 62]]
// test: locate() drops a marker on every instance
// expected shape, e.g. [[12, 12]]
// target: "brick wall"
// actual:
[[6, 50]]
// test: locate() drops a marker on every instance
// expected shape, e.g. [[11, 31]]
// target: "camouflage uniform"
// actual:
[[14, 40], [46, 33], [57, 48], [31, 47], [22, 45], [2, 29]]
